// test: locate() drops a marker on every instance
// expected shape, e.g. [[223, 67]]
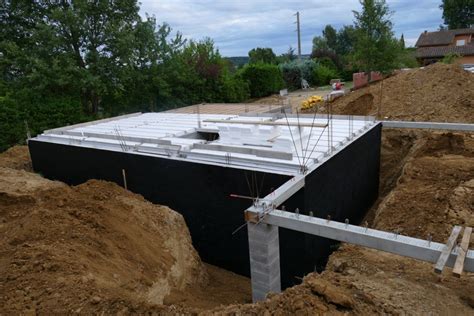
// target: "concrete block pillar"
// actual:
[[264, 249]]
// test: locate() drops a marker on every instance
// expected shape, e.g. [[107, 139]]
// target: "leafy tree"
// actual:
[[330, 36], [296, 70], [318, 54], [375, 48], [88, 41], [64, 62], [320, 43], [458, 14], [288, 56], [345, 40], [262, 55]]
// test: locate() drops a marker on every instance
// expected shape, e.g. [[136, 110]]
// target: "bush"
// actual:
[[39, 114], [296, 70], [323, 74], [263, 79], [234, 89], [11, 124], [451, 58]]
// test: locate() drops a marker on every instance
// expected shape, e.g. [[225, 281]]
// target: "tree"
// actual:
[[262, 55], [288, 56], [375, 48], [330, 35], [320, 43], [458, 14], [75, 46], [345, 40], [402, 42]]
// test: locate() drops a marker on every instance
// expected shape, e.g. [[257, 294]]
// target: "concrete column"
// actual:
[[264, 249]]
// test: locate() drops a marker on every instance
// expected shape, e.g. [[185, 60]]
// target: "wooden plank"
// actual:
[[459, 264], [443, 257]]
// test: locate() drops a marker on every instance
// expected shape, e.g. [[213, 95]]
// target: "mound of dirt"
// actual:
[[442, 93], [90, 248], [435, 189], [17, 157]]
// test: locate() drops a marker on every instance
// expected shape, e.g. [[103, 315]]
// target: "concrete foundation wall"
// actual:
[[345, 186]]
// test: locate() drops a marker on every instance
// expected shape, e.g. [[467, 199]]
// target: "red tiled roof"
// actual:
[[444, 37]]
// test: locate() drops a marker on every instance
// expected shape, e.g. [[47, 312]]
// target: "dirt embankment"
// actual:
[[442, 93], [97, 248]]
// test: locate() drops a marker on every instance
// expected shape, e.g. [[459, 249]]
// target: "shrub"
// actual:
[[234, 89], [323, 74], [451, 58], [296, 70], [263, 79], [11, 124], [39, 114]]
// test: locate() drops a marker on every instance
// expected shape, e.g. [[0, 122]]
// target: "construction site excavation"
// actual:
[[211, 168], [249, 209]]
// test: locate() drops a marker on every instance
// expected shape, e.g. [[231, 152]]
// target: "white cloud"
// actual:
[[238, 26]]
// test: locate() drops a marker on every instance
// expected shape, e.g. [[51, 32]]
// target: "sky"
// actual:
[[238, 26]]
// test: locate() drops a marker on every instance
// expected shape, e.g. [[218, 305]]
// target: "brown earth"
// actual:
[[17, 157], [426, 188], [443, 93], [98, 248]]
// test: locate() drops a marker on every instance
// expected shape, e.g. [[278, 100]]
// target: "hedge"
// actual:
[[263, 79]]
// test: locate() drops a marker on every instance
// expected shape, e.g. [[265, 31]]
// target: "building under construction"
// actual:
[[211, 168]]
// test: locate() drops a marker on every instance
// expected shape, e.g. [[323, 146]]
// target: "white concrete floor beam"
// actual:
[[429, 125], [390, 242]]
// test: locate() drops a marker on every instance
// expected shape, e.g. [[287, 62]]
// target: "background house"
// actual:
[[433, 46]]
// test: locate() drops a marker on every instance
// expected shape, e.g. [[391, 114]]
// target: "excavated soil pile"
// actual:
[[435, 190], [90, 248], [443, 93], [97, 248], [17, 157]]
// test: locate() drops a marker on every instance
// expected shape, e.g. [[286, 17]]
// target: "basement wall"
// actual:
[[344, 187]]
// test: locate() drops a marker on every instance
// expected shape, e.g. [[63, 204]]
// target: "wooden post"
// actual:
[[459, 264], [124, 176], [443, 257]]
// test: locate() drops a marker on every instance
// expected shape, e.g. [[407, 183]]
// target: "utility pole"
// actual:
[[299, 33]]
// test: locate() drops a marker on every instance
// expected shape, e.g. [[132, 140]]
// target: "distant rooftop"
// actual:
[[443, 37]]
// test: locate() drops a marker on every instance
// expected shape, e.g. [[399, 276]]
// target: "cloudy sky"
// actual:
[[240, 25]]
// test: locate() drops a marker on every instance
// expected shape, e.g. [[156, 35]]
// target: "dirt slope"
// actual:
[[76, 249], [443, 93], [97, 248], [17, 157]]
